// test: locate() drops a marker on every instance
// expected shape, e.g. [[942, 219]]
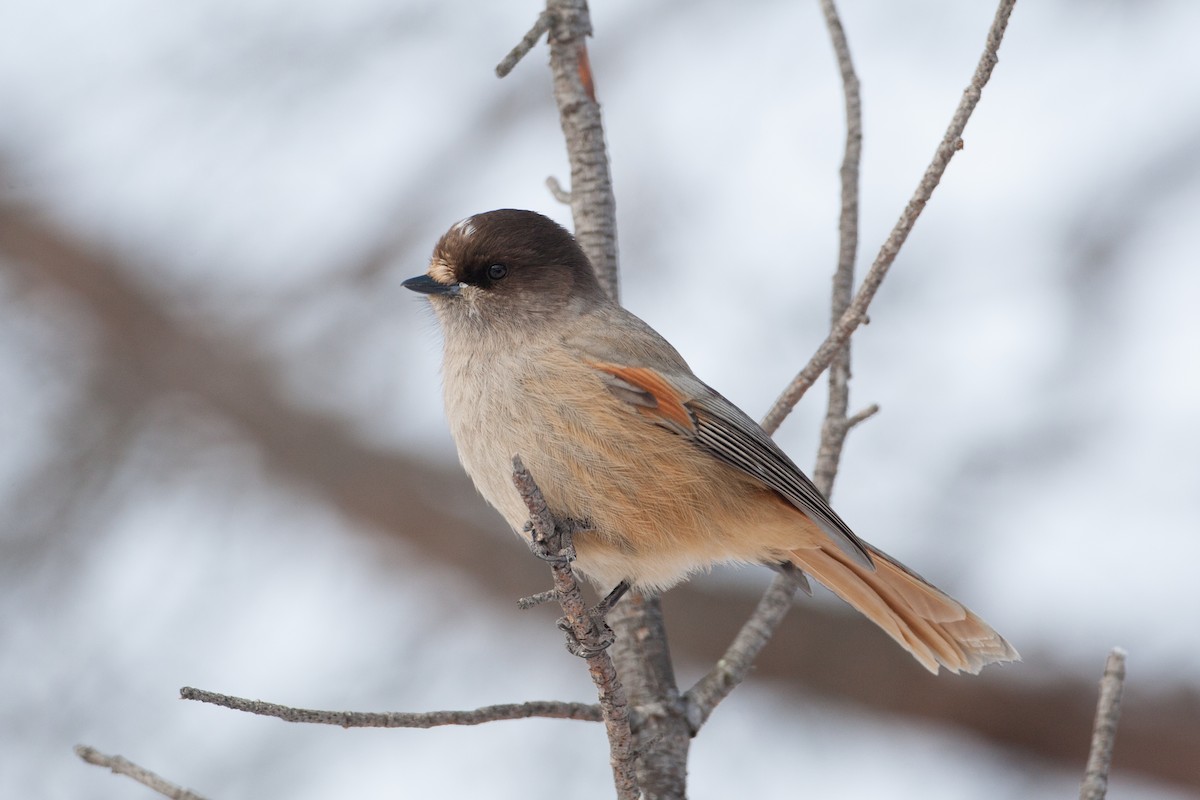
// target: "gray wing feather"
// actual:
[[727, 433]]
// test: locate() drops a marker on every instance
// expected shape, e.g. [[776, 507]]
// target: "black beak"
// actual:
[[427, 285]]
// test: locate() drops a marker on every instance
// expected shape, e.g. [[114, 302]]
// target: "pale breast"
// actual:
[[659, 506], [484, 405]]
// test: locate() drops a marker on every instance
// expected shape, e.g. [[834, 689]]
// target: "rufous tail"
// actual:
[[927, 622]]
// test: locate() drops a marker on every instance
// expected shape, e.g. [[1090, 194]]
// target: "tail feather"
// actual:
[[934, 627]]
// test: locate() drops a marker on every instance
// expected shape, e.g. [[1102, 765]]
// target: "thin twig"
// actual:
[[586, 633], [862, 416], [551, 709], [733, 667], [1104, 731], [525, 45], [535, 600], [735, 664], [560, 194], [856, 313], [642, 652], [121, 766], [834, 428]]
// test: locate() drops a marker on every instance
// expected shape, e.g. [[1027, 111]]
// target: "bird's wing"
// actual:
[[685, 405]]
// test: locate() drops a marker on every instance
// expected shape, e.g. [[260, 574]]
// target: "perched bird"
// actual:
[[669, 476]]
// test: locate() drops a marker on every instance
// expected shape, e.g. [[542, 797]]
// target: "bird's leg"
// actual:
[[598, 611], [601, 609]]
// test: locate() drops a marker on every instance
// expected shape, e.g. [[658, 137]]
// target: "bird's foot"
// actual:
[[600, 639], [602, 635], [558, 547]]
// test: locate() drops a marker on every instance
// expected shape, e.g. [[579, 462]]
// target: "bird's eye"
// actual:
[[497, 271]]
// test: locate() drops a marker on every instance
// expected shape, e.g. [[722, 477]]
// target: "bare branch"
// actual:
[[643, 658], [847, 315], [732, 668], [525, 45], [641, 649], [121, 766], [551, 709], [856, 314], [1104, 731], [585, 630], [593, 206], [834, 428]]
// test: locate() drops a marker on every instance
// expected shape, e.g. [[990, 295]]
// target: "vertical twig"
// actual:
[[856, 314], [583, 628], [644, 663], [1104, 731], [641, 646], [593, 205], [835, 427]]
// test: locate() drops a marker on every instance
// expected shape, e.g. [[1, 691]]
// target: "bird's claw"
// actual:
[[558, 547], [602, 639]]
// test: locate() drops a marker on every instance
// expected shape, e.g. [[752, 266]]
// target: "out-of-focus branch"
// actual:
[[150, 354], [587, 637], [1104, 730], [856, 314], [551, 709], [557, 191], [121, 766]]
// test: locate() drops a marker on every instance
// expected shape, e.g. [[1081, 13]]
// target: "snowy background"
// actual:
[[267, 173]]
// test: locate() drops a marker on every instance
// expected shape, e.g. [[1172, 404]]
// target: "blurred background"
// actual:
[[225, 464]]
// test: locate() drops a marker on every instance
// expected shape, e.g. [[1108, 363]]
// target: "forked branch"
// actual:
[[856, 314], [836, 425], [733, 667]]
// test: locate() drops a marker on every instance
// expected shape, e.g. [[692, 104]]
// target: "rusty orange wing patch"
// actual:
[[651, 394]]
